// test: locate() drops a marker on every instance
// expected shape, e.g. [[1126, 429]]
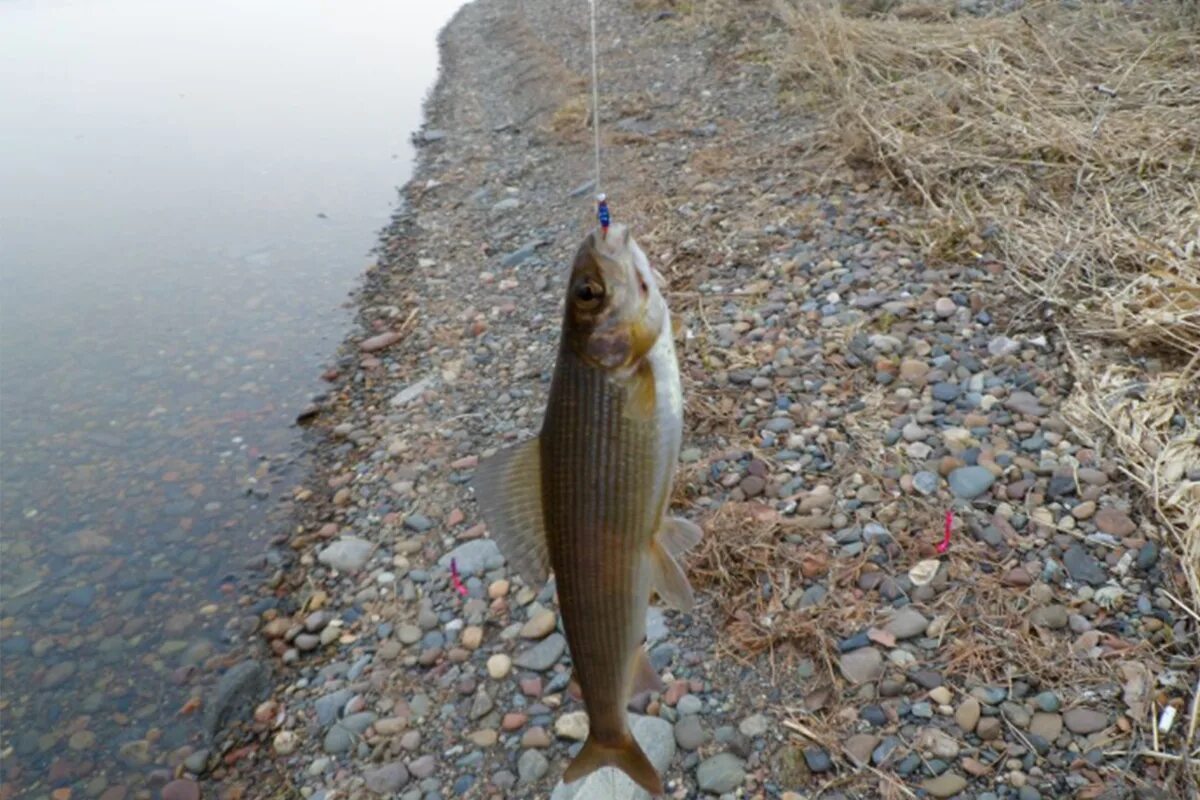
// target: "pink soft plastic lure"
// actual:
[[944, 545], [457, 581]]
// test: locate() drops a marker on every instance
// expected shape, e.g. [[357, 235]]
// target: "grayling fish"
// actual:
[[588, 497]]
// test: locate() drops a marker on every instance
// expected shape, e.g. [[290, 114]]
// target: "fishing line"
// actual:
[[601, 201]]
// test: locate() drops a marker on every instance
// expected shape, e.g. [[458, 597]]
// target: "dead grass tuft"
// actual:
[[1066, 141]]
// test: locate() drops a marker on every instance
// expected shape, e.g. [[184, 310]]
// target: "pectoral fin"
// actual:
[[668, 579], [641, 396], [508, 487]]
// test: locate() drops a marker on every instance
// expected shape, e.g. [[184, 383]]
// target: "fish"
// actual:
[[587, 498]]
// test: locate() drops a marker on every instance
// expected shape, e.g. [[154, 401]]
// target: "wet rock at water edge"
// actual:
[[237, 693]]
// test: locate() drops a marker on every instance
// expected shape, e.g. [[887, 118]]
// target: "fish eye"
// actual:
[[642, 285], [588, 294]]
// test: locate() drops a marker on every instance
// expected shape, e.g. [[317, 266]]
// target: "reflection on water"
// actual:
[[188, 191]]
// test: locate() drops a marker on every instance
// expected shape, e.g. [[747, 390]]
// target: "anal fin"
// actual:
[[508, 488], [645, 678], [667, 578], [678, 535]]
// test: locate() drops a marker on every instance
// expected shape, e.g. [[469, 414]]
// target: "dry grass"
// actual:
[[1066, 142]]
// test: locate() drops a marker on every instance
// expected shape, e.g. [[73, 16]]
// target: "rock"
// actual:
[[1053, 617], [862, 665], [721, 773], [572, 726], [907, 623], [482, 704], [988, 729], [690, 733], [1024, 403], [817, 759], [498, 666], [238, 691], [656, 739], [947, 784], [57, 675], [913, 371], [754, 726], [387, 779], [946, 392], [1046, 725], [539, 625], [421, 768], [1082, 566], [411, 392], [925, 482], [1085, 720], [938, 742], [860, 746], [285, 743], [966, 716], [1047, 701], [531, 767], [688, 705], [348, 554], [197, 762], [543, 655], [944, 307], [1114, 521], [473, 557], [379, 341], [181, 789], [1147, 556], [970, 482]]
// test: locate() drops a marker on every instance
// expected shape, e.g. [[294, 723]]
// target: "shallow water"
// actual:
[[188, 190]]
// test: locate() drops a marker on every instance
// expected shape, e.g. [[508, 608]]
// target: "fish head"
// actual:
[[615, 311]]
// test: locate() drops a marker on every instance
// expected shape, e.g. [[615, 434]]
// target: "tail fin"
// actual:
[[625, 755]]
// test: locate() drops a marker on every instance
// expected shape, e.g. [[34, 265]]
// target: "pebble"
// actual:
[[1053, 617], [1085, 720], [473, 557], [721, 773], [531, 767], [1082, 566], [1115, 522], [817, 759], [966, 716], [947, 784], [498, 666], [182, 789], [1046, 725], [544, 655], [539, 625], [655, 737], [348, 554], [970, 482], [907, 623], [862, 665], [754, 726], [386, 780], [690, 733], [572, 726]]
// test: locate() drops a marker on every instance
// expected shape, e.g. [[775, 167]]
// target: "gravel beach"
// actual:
[[843, 393]]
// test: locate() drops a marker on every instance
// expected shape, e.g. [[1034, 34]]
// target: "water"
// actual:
[[187, 192]]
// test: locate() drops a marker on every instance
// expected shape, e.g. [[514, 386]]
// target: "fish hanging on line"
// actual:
[[588, 497]]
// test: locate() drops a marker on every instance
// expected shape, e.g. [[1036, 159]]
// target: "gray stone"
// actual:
[[531, 766], [411, 392], [946, 392], [721, 773], [328, 706], [970, 482], [1085, 720], [388, 779], [1053, 617], [543, 655], [1082, 566], [1024, 403], [754, 726], [474, 557], [347, 554], [238, 691], [690, 733], [862, 665], [907, 623], [656, 739], [925, 482]]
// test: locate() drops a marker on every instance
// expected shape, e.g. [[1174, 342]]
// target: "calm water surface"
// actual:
[[187, 192]]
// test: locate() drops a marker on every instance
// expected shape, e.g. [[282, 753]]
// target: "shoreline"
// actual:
[[392, 684]]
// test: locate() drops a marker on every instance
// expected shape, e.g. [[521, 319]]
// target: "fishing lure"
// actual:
[[454, 579], [944, 545]]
